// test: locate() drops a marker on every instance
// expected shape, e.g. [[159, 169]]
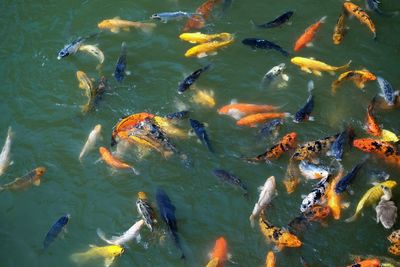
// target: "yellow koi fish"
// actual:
[[94, 51], [339, 30], [203, 50], [389, 136], [311, 65], [361, 15], [170, 129], [204, 98], [199, 38], [115, 24], [107, 252], [359, 77], [84, 82], [371, 196]]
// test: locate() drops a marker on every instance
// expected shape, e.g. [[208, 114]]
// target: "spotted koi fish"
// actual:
[[360, 14], [381, 148], [359, 77], [371, 125], [339, 31], [312, 148], [287, 142], [316, 195]]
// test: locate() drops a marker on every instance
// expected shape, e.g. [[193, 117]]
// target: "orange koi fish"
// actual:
[[287, 142], [360, 14], [197, 21], [317, 213], [113, 162], [219, 253], [366, 263], [254, 119], [308, 35], [239, 110], [372, 126], [333, 198], [359, 77], [128, 123], [339, 31], [270, 259], [382, 148], [280, 237]]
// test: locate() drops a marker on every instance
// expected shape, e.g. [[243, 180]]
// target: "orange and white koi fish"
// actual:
[[308, 35], [360, 14], [311, 65], [219, 253], [254, 119], [359, 77], [207, 49], [199, 38], [280, 237], [270, 259], [339, 30], [197, 21], [115, 24], [113, 162], [371, 125], [239, 110], [287, 142]]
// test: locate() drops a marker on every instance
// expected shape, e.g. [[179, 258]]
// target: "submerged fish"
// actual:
[[29, 179], [55, 230], [94, 51], [5, 160], [189, 80], [167, 16], [219, 254], [361, 15], [178, 115], [339, 30], [91, 141], [366, 263], [345, 181], [291, 180], [107, 252], [304, 112], [387, 90], [204, 98], [167, 213], [119, 72], [271, 127], [145, 210], [267, 192], [316, 67], [316, 195], [239, 110], [312, 171], [70, 48], [201, 133], [264, 44], [202, 13], [359, 77], [114, 162], [115, 24], [277, 21], [130, 234], [308, 35], [370, 197], [230, 178], [386, 210]]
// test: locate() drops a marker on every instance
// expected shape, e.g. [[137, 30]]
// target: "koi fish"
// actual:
[[371, 125], [189, 80], [291, 180], [308, 35], [395, 249], [270, 259], [130, 234], [114, 162], [253, 119], [207, 49], [202, 13], [177, 115], [107, 252], [168, 127], [310, 149], [287, 142], [334, 200], [388, 92], [273, 73], [91, 141], [386, 210], [271, 127], [317, 213], [311, 171], [5, 160], [115, 24], [373, 5], [366, 263], [164, 17], [339, 30], [219, 254], [70, 48], [345, 181], [267, 192], [316, 195], [100, 90], [361, 15], [85, 82], [394, 237], [277, 21], [29, 179], [198, 37], [94, 51], [359, 77], [55, 230], [370, 197], [119, 72], [310, 65], [375, 146], [201, 133], [239, 110], [167, 212], [127, 123], [337, 147], [204, 98], [304, 112], [230, 178], [264, 44], [280, 237], [389, 136], [145, 210]]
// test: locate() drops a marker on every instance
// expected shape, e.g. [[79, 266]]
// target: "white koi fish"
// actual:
[[267, 192], [5, 152], [91, 141], [130, 234]]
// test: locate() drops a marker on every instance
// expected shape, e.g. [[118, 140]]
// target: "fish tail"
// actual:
[[310, 86], [136, 172], [371, 105], [102, 236], [323, 19], [148, 27], [251, 218], [343, 67], [80, 257], [352, 218], [335, 85]]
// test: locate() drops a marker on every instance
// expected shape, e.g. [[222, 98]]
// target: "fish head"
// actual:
[[318, 212], [369, 76], [297, 61], [104, 24], [115, 250], [40, 170], [337, 38], [389, 184], [289, 240], [142, 195], [281, 67], [155, 17], [220, 249], [290, 139], [63, 53]]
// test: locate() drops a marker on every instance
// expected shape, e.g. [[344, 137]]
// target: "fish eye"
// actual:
[[155, 16]]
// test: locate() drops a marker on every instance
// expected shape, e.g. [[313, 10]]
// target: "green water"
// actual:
[[41, 101]]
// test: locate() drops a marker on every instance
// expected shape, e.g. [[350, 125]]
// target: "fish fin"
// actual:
[[311, 118], [102, 236], [138, 238], [310, 44], [352, 218], [317, 72], [11, 162], [92, 246], [323, 19], [201, 55], [127, 29], [117, 17], [148, 27], [305, 69], [108, 261], [251, 218], [213, 53], [331, 72], [136, 172], [234, 101], [303, 196], [345, 205], [285, 77], [310, 86], [114, 30], [36, 182]]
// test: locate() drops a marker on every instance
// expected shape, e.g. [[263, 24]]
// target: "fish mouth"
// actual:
[[58, 57], [155, 16]]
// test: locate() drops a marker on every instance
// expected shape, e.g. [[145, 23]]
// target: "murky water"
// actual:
[[41, 101]]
